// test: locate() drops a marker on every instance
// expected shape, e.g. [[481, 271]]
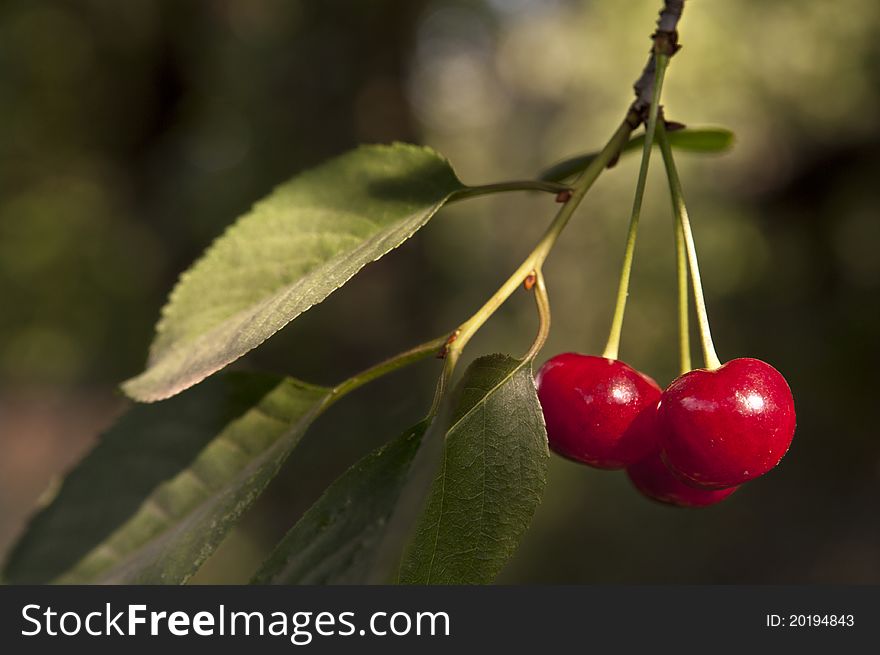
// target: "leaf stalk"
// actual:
[[612, 348]]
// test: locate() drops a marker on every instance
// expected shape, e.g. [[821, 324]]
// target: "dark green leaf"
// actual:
[[163, 487], [705, 140], [336, 541], [491, 478], [296, 247]]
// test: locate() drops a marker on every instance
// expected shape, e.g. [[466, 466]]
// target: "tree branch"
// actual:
[[665, 42]]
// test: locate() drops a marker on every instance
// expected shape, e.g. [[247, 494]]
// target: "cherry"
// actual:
[[725, 426], [593, 408], [653, 478]]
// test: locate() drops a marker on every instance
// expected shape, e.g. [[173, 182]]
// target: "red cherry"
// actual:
[[652, 477], [723, 427], [591, 406]]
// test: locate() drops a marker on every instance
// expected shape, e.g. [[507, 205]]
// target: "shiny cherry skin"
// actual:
[[723, 427], [592, 407], [653, 479]]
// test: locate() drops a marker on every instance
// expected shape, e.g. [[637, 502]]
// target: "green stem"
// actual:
[[680, 210], [542, 301], [613, 346], [681, 270], [503, 187], [391, 364], [539, 254]]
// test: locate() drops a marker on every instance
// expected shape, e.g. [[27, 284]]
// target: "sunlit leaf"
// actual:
[[296, 247], [698, 139]]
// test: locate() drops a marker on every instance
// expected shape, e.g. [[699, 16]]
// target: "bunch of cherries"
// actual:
[[692, 444]]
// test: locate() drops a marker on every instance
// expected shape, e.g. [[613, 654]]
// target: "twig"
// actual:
[[665, 42]]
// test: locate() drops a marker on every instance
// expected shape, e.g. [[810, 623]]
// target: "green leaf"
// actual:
[[163, 486], [491, 478], [704, 140], [337, 540], [699, 139], [296, 247]]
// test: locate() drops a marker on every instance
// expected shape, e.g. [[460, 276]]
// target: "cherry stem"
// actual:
[[680, 211], [681, 270], [542, 302], [613, 346]]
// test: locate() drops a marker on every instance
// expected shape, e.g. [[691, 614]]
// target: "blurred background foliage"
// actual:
[[134, 132]]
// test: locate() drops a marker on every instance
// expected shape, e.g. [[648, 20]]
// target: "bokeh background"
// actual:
[[133, 133]]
